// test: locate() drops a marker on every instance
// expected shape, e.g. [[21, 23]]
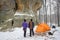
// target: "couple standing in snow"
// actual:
[[30, 25]]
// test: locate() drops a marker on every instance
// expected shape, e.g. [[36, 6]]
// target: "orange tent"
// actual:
[[42, 28]]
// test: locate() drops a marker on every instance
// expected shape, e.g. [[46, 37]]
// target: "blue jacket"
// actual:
[[24, 24]]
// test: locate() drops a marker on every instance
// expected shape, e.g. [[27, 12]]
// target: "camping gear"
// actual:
[[42, 28]]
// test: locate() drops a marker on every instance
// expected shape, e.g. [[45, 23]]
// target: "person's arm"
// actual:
[[29, 25], [33, 24]]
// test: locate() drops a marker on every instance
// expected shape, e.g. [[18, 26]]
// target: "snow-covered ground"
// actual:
[[17, 34]]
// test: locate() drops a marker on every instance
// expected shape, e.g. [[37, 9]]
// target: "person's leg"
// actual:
[[24, 33], [30, 32]]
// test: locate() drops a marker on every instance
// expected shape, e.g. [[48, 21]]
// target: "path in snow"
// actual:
[[17, 34]]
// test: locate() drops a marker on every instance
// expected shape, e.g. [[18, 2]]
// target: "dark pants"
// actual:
[[24, 32], [31, 32]]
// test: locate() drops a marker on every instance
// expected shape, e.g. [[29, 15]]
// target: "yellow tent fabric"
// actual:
[[42, 28]]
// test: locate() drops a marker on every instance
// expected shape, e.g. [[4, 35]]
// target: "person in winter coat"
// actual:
[[31, 27], [24, 24]]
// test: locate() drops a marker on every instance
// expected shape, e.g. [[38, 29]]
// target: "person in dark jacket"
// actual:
[[24, 24], [31, 27]]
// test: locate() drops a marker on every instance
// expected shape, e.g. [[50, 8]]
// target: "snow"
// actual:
[[8, 20], [17, 34], [22, 14]]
